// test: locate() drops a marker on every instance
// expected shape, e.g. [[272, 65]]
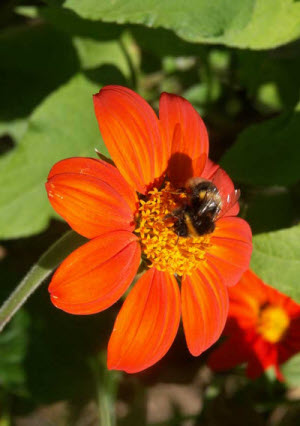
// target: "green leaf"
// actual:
[[257, 24], [64, 125], [93, 53], [14, 128], [276, 259], [267, 153], [291, 371]]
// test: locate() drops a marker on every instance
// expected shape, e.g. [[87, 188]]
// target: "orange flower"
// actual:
[[123, 212], [263, 328]]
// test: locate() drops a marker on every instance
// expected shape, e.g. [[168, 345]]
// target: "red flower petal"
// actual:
[[100, 170], [89, 204], [190, 144], [220, 178], [247, 299], [230, 353], [231, 248], [130, 130], [290, 344], [263, 355], [147, 323], [97, 274], [204, 309]]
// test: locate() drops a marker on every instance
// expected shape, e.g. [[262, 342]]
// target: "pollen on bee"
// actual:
[[160, 244]]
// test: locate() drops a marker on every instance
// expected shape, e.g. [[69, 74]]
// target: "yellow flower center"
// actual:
[[160, 244], [273, 323]]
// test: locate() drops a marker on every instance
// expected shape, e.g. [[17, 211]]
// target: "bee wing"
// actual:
[[229, 195], [231, 201]]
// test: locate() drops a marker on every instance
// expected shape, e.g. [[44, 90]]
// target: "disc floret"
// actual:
[[273, 323], [160, 244]]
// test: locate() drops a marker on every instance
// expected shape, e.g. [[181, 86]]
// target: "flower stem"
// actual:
[[38, 273], [106, 390]]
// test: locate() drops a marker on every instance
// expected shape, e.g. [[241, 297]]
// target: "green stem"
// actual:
[[106, 388], [133, 76], [38, 273], [5, 401]]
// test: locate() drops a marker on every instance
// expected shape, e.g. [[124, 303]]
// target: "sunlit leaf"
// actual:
[[276, 259], [251, 23], [63, 126], [291, 371]]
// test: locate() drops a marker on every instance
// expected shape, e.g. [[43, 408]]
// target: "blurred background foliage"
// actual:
[[239, 64]]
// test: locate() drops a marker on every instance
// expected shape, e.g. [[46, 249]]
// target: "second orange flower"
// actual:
[[134, 211]]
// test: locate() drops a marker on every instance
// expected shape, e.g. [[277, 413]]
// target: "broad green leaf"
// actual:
[[63, 126], [291, 371], [256, 24], [93, 53], [276, 259], [267, 153], [14, 128]]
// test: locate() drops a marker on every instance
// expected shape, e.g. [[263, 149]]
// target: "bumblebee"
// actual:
[[200, 208]]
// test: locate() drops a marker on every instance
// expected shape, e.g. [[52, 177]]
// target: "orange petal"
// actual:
[[147, 323], [90, 205], [130, 130], [204, 308], [189, 145], [231, 248], [220, 178], [97, 274], [210, 169], [100, 170]]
